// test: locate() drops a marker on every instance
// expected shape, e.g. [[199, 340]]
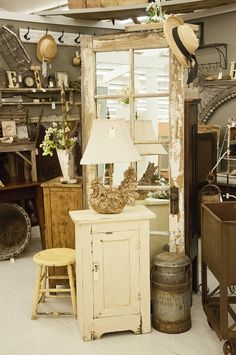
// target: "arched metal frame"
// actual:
[[221, 94]]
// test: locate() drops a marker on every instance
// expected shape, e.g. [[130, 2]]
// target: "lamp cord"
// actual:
[[219, 160]]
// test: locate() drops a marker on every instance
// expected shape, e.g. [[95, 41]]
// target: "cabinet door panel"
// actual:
[[116, 273]]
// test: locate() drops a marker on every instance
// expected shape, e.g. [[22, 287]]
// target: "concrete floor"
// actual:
[[19, 335]]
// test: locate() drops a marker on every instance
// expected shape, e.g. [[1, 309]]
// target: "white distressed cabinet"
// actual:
[[112, 271]]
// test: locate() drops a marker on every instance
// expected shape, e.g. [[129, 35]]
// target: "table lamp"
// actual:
[[110, 143]]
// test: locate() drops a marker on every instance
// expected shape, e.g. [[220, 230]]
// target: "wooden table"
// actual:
[[19, 149]]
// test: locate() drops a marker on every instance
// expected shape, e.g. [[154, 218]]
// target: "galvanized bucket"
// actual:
[[171, 293]]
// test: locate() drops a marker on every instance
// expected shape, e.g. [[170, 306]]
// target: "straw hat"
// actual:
[[181, 39], [46, 48]]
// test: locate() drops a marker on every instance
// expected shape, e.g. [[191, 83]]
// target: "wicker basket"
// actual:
[[15, 230]]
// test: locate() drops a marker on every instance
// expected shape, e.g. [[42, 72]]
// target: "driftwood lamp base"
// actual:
[[108, 200]]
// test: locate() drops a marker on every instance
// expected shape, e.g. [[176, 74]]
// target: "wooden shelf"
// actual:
[[17, 147], [33, 90], [29, 103], [131, 11], [216, 82], [16, 184]]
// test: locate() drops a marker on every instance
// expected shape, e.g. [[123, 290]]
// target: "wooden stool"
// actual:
[[47, 258]]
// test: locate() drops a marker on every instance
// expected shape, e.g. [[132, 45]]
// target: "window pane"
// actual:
[[151, 70], [107, 108], [154, 109], [112, 72]]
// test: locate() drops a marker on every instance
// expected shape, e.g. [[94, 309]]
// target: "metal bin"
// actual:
[[219, 256]]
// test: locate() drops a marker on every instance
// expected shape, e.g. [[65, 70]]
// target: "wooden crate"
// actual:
[[101, 3], [76, 4], [130, 2]]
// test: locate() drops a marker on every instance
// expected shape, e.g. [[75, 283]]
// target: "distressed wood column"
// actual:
[[176, 151], [88, 112]]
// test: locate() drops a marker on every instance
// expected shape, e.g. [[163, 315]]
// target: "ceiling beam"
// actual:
[[58, 20], [219, 10]]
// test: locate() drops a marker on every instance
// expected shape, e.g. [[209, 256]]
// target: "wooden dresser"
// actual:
[[59, 199]]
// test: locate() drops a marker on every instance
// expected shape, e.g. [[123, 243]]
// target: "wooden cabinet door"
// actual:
[[116, 273], [60, 228]]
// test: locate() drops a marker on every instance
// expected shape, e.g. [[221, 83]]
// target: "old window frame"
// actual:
[[90, 45]]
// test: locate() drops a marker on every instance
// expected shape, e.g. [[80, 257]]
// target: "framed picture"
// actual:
[[22, 131], [62, 76], [8, 128]]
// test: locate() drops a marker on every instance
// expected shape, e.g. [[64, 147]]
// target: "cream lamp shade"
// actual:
[[146, 139], [109, 142]]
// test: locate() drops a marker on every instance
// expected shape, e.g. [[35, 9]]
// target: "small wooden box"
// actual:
[[93, 3], [76, 4], [130, 2], [101, 3]]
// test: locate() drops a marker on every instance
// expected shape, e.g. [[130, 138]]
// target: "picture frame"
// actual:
[[22, 131], [8, 128], [62, 76]]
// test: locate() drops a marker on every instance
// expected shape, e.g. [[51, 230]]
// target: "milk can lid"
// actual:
[[170, 259]]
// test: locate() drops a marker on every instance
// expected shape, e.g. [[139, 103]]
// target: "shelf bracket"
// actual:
[[221, 49]]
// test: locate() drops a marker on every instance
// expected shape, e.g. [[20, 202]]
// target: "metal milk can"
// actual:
[[171, 293]]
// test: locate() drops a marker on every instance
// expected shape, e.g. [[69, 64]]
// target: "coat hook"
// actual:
[[76, 40], [60, 39], [26, 35]]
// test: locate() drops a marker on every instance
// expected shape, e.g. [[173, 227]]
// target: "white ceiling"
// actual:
[[30, 6]]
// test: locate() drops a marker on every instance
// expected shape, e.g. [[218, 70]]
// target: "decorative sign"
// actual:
[[22, 131], [233, 70], [62, 77], [8, 128], [12, 79]]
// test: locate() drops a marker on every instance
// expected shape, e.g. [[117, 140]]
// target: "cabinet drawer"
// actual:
[[114, 227]]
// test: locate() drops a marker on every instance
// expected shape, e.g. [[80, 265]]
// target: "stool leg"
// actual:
[[36, 293], [72, 289], [43, 282]]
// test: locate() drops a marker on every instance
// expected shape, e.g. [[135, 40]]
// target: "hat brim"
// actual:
[[169, 24], [39, 45]]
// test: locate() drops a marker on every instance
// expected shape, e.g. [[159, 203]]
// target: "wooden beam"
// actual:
[[176, 152], [88, 88], [219, 10]]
